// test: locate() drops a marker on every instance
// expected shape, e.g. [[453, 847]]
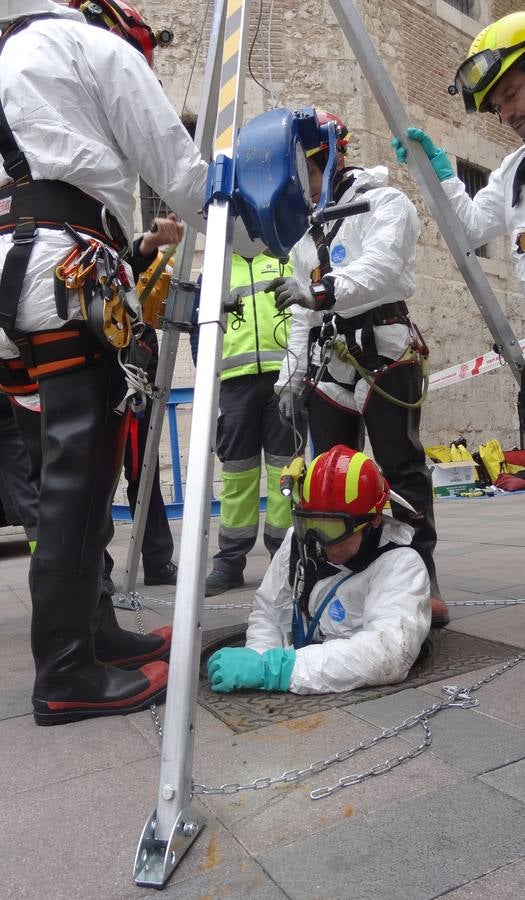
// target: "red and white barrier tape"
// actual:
[[470, 369]]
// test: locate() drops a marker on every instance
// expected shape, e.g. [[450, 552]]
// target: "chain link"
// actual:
[[137, 606], [484, 602]]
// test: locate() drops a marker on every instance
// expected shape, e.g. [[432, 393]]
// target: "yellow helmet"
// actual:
[[492, 53]]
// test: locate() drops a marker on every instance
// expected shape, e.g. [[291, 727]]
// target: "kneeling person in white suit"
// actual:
[[345, 602]]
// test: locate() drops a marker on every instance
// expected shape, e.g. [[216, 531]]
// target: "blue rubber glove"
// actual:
[[239, 667], [437, 155]]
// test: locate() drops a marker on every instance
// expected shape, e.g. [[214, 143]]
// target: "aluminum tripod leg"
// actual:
[[178, 309], [446, 218], [175, 824]]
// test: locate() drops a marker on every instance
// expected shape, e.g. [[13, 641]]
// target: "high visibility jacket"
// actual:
[[370, 633], [256, 343]]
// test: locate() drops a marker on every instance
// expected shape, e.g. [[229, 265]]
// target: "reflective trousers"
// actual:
[[248, 423]]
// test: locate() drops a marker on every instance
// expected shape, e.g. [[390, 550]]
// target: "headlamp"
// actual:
[[164, 37]]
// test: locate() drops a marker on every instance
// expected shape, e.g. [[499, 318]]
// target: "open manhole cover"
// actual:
[[445, 654]]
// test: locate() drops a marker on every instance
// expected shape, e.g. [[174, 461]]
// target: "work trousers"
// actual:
[[394, 436], [248, 423]]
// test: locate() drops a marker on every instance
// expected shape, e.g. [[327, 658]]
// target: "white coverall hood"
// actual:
[[14, 9]]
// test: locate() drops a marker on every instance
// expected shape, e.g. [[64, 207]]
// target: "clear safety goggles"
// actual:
[[327, 528], [480, 70]]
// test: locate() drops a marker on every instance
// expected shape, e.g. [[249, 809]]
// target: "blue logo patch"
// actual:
[[337, 611], [338, 253]]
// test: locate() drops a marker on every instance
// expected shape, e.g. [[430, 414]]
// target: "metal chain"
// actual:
[[160, 602], [459, 698], [136, 605], [484, 602]]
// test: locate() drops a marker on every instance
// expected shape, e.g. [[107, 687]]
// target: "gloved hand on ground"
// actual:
[[233, 668], [437, 155]]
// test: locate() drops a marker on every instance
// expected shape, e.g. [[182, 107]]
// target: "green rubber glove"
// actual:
[[437, 155], [239, 667]]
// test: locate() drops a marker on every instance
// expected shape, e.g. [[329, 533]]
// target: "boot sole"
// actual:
[[44, 716]]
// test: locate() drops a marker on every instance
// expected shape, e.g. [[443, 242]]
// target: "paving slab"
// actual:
[[17, 673], [65, 752], [467, 739], [509, 779], [239, 880], [415, 851], [76, 840], [506, 883], [279, 814], [501, 698], [506, 625]]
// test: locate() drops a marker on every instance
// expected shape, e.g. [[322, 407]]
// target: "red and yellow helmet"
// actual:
[[342, 133], [342, 491], [126, 21]]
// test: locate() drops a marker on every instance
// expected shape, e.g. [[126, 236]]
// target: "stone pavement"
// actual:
[[449, 823]]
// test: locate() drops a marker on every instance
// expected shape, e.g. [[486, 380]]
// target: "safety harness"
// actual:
[[26, 205], [308, 566], [337, 334]]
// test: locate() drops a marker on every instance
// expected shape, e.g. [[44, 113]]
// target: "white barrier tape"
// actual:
[[471, 369]]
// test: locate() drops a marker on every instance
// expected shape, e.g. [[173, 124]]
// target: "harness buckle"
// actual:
[[25, 232]]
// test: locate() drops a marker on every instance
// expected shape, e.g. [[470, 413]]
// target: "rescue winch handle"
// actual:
[[445, 216]]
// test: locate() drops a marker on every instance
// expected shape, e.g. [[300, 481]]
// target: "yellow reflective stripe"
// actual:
[[352, 477], [308, 478], [230, 60]]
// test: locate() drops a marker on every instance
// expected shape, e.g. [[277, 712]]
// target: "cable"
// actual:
[[197, 49], [252, 48]]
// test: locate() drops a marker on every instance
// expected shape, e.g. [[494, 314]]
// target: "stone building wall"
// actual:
[[421, 43]]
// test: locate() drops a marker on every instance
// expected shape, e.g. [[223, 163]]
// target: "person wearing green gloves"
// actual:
[[491, 79], [346, 600]]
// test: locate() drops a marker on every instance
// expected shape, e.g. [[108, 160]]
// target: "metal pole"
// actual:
[[446, 218], [178, 309], [175, 824]]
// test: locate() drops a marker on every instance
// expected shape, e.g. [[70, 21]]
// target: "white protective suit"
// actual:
[[372, 629], [491, 214], [102, 118], [373, 259]]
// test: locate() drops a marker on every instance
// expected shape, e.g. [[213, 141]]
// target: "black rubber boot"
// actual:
[[82, 448], [127, 649]]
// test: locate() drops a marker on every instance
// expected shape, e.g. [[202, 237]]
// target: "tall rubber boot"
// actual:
[[127, 649], [394, 436], [82, 448]]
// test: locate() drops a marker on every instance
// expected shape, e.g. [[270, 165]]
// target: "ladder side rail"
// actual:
[[448, 222]]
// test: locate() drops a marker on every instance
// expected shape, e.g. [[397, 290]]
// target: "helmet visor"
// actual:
[[480, 70], [327, 528]]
